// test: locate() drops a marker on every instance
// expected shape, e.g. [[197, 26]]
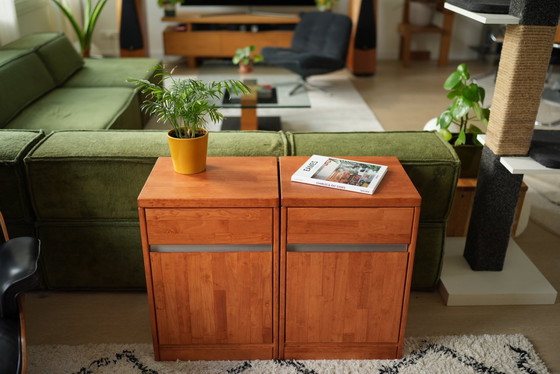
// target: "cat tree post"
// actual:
[[521, 74]]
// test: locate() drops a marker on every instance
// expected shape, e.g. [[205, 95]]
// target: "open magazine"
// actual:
[[338, 173]]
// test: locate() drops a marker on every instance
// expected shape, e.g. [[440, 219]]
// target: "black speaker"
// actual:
[[362, 60], [366, 37], [131, 32]]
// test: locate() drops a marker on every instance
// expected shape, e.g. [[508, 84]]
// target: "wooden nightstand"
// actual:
[[210, 245], [346, 265]]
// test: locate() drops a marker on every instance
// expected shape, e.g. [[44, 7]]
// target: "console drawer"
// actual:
[[350, 225], [210, 226]]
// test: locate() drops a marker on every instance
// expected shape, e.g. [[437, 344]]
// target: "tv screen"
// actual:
[[249, 2]]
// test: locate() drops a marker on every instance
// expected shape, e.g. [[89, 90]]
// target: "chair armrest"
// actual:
[[19, 265]]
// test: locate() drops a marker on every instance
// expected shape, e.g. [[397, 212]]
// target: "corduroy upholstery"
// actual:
[[14, 194], [84, 186]]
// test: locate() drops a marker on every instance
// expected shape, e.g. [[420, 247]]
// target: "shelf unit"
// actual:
[[215, 34], [522, 164], [485, 18], [406, 31], [520, 282]]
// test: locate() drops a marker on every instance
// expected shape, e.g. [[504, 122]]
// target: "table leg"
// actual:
[[249, 119]]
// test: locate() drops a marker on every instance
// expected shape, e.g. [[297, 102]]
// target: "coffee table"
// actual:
[[281, 81]]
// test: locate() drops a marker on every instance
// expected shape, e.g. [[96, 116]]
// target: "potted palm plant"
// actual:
[[91, 15], [245, 57], [187, 105], [466, 114]]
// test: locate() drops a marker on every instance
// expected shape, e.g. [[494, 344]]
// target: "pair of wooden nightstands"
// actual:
[[241, 264]]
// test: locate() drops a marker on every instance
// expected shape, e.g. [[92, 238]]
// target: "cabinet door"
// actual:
[[213, 298], [343, 297]]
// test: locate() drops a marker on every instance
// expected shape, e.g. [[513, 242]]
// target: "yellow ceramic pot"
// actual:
[[188, 155]]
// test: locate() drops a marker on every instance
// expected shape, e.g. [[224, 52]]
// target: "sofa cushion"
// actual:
[[82, 108], [429, 161], [25, 71], [69, 167], [112, 72], [56, 51], [15, 202]]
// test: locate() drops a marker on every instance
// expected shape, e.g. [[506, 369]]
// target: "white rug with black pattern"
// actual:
[[493, 354]]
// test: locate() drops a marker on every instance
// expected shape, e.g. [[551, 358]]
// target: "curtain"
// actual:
[[9, 30]]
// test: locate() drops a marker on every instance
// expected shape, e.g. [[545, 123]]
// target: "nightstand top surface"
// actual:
[[394, 190], [227, 182]]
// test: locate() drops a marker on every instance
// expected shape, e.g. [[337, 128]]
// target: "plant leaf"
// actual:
[[446, 134], [452, 81], [471, 92], [461, 138], [444, 120], [461, 108], [464, 71]]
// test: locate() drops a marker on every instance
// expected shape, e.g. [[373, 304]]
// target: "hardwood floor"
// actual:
[[402, 99]]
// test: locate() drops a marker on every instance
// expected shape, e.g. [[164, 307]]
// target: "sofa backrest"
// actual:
[[55, 50], [23, 78]]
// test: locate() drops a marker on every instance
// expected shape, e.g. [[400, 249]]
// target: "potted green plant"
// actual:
[[324, 5], [466, 112], [91, 15], [245, 57], [186, 105], [168, 7]]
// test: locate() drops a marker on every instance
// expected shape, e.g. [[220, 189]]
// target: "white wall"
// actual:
[[466, 32]]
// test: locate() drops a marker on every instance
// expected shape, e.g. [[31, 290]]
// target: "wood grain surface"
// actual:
[[228, 182]]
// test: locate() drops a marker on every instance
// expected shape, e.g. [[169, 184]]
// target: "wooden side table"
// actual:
[[210, 245], [346, 265]]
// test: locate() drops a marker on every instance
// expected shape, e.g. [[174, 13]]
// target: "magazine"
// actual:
[[338, 173]]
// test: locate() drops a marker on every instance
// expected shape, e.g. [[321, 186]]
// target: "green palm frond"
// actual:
[[187, 103], [91, 16]]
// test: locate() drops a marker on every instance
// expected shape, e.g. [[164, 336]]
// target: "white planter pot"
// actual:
[[421, 14]]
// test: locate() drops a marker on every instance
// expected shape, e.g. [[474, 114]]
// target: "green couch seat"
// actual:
[[109, 72], [81, 108], [14, 202], [114, 166]]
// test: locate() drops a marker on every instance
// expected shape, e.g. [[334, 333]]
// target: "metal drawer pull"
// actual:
[[347, 247], [211, 248]]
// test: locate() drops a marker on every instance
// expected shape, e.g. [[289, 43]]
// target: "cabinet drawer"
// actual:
[[350, 225], [209, 226]]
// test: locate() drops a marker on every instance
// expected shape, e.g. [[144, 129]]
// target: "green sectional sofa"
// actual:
[[73, 181], [82, 188], [52, 88]]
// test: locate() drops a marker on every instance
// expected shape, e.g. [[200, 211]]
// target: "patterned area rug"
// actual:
[[493, 354]]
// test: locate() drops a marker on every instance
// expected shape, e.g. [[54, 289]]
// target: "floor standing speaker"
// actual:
[[362, 52], [131, 30]]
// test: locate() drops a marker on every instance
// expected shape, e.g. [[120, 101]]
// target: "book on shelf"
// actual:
[[340, 173]]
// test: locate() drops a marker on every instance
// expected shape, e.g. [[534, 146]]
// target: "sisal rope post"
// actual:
[[522, 71]]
